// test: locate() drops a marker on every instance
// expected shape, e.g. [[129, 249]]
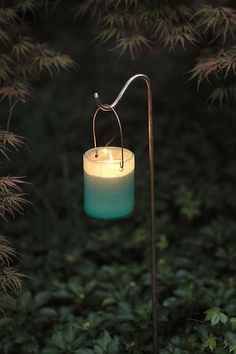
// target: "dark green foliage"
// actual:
[[21, 60], [132, 26], [89, 281]]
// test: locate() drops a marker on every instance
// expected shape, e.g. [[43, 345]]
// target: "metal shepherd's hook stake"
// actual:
[[109, 107]]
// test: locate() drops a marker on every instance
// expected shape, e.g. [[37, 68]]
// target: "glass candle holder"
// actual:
[[108, 188]]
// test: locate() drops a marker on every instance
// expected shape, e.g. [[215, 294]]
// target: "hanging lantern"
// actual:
[[108, 179], [109, 182]]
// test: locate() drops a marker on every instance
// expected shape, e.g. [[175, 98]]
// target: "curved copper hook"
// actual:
[[106, 107]]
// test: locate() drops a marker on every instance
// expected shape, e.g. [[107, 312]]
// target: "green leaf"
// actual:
[[170, 302], [58, 340], [98, 350], [48, 312], [223, 318], [189, 205], [51, 350], [109, 301], [233, 323], [162, 243], [42, 298], [232, 348], [70, 334], [210, 343], [215, 316], [113, 346], [211, 312], [104, 340], [215, 319], [231, 337], [25, 299], [84, 351]]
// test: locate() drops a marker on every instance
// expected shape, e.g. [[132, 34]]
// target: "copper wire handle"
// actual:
[[120, 128]]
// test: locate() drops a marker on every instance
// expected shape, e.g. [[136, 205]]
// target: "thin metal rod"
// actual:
[[106, 107], [121, 133]]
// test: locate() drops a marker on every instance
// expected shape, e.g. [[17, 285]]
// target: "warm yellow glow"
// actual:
[[105, 162], [107, 154]]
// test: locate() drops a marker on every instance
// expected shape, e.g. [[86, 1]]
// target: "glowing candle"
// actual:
[[108, 189]]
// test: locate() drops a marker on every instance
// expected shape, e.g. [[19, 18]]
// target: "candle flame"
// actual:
[[108, 155]]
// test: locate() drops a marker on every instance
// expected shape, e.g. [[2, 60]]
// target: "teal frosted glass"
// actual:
[[108, 198]]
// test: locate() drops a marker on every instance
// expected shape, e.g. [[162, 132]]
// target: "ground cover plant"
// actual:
[[87, 288]]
